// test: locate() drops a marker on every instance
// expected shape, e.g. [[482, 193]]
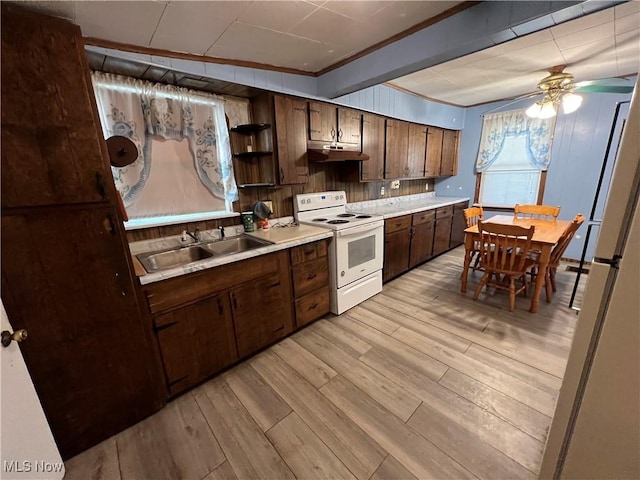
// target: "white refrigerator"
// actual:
[[595, 432]]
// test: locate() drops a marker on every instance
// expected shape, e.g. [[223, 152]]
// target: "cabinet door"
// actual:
[[396, 253], [349, 125], [458, 225], [323, 122], [442, 235], [421, 243], [52, 146], [373, 145], [290, 118], [416, 151], [449, 164], [66, 279], [396, 148], [261, 313], [434, 152], [196, 341]]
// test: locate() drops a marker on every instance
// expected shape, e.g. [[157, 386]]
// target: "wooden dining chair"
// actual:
[[503, 251], [472, 216], [542, 212], [556, 256]]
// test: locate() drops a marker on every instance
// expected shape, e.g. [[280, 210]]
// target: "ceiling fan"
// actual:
[[558, 88]]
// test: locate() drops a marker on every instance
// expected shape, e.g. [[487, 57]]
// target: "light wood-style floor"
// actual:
[[417, 382]]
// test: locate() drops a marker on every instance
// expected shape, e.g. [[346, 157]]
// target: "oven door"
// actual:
[[358, 252]]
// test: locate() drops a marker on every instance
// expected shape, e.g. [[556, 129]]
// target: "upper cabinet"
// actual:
[[417, 150], [449, 165], [349, 126], [323, 122], [442, 152], [396, 149], [434, 152], [373, 145]]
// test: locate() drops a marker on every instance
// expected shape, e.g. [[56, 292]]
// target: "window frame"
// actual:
[[476, 196]]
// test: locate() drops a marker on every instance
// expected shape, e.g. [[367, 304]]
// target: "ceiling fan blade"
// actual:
[[605, 89], [511, 101]]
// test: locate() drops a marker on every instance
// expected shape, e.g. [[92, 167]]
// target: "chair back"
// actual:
[[565, 239], [472, 215], [503, 248], [536, 211]]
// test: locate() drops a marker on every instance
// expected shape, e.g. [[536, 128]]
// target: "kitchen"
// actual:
[[284, 210]]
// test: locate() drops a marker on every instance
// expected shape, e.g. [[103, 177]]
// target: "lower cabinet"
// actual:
[[458, 224], [310, 273], [397, 244], [422, 233], [442, 235], [196, 341]]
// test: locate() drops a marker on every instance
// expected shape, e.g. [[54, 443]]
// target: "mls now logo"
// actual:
[[25, 466]]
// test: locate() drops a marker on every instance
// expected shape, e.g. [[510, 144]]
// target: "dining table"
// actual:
[[545, 236]]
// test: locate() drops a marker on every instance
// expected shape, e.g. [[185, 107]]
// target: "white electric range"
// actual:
[[355, 251]]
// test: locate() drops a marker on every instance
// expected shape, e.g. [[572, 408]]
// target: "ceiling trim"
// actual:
[[419, 95], [398, 36], [126, 47]]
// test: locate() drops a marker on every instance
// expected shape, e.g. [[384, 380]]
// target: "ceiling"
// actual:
[[601, 45], [311, 35]]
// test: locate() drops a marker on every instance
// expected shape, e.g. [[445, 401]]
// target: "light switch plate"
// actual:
[[382, 191], [395, 184]]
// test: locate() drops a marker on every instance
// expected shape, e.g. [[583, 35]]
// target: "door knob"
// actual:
[[17, 336]]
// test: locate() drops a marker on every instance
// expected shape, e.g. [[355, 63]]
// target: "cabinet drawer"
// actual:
[[312, 306], [395, 224], [423, 217], [310, 276], [307, 252], [460, 206], [444, 212]]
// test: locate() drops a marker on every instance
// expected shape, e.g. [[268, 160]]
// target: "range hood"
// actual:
[[335, 155]]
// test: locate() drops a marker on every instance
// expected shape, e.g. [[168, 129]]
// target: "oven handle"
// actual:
[[358, 230]]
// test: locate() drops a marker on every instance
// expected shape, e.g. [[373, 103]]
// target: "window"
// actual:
[[512, 160], [184, 170]]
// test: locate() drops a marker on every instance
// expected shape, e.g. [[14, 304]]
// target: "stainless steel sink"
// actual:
[[234, 245], [154, 261]]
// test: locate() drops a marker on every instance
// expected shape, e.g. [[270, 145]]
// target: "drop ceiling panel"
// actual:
[[323, 25], [581, 24], [596, 33], [276, 15], [357, 9], [205, 22], [126, 22]]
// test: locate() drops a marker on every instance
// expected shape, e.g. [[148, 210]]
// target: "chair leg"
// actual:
[[552, 276], [548, 288], [525, 282], [483, 281], [512, 294]]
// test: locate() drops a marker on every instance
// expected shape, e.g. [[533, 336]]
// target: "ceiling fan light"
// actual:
[[571, 102], [534, 110], [547, 110]]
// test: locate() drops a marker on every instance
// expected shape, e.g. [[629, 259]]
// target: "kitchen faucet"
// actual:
[[195, 235]]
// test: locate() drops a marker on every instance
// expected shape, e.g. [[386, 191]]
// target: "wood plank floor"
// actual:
[[417, 382]]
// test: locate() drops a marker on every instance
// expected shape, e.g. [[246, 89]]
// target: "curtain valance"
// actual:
[[140, 110], [497, 126]]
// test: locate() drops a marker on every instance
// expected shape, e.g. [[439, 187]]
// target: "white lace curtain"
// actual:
[[498, 126], [139, 110]]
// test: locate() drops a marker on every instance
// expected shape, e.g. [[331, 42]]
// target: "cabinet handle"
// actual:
[[314, 131], [314, 306], [165, 326], [309, 251], [234, 301], [220, 307], [274, 285], [311, 110], [109, 224], [312, 276], [100, 185], [340, 133], [281, 175], [333, 133], [300, 109]]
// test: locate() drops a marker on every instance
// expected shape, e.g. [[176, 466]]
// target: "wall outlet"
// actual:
[[395, 184], [382, 191], [426, 187]]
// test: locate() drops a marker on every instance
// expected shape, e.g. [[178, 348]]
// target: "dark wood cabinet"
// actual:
[[349, 126], [449, 165], [323, 120], [196, 341], [458, 224], [373, 130], [434, 151], [261, 313], [396, 149], [291, 127], [310, 278], [397, 244], [442, 237], [66, 269], [422, 233], [415, 167]]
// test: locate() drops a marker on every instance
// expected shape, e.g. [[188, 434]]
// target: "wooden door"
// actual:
[[373, 145], [262, 313], [349, 126], [196, 341], [396, 253], [416, 151], [458, 225], [421, 243], [323, 122], [434, 152], [442, 235], [66, 279], [396, 148], [291, 127], [52, 143], [449, 164]]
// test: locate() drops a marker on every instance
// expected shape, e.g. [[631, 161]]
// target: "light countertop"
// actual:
[[395, 207]]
